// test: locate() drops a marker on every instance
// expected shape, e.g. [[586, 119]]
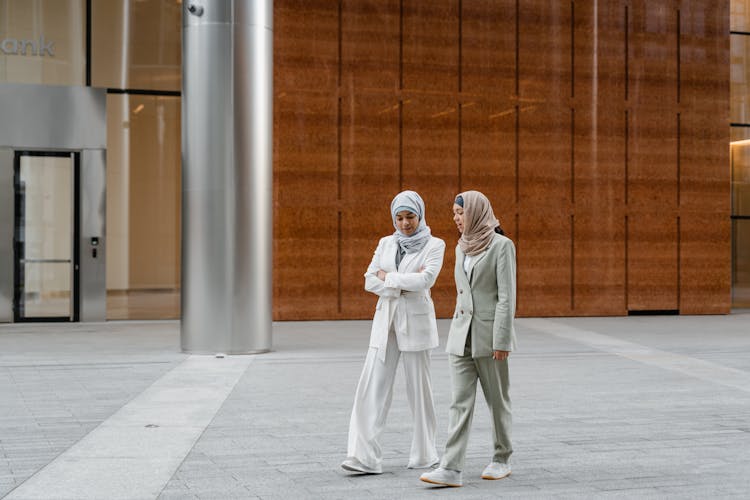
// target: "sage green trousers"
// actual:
[[493, 377]]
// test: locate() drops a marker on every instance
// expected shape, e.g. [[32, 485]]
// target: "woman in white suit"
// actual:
[[403, 269]]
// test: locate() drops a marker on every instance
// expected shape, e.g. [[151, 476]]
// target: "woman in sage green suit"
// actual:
[[481, 337]]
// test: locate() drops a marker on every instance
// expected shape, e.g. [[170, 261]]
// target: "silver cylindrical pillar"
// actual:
[[227, 176]]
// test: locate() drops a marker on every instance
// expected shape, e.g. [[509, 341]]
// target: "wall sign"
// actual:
[[14, 46]]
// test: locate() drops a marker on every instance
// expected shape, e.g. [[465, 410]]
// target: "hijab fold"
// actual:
[[411, 201], [479, 223]]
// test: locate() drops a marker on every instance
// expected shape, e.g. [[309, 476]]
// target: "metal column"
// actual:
[[227, 176]]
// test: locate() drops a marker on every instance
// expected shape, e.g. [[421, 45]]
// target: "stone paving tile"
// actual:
[[58, 382]]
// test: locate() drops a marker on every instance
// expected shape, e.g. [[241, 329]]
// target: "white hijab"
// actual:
[[411, 201]]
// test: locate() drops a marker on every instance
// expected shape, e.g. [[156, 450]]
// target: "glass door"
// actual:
[[45, 238]]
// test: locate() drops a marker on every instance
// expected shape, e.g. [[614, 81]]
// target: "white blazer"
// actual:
[[405, 302]]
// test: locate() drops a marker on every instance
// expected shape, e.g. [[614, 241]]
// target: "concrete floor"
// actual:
[[638, 407]]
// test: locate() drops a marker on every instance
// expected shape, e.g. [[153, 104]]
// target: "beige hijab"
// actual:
[[479, 223]]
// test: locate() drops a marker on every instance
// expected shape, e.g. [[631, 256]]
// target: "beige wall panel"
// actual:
[[154, 193], [488, 47], [652, 262], [306, 45], [705, 263], [370, 44], [430, 167], [430, 45], [599, 265]]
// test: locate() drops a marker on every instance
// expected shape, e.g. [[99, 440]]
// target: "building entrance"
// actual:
[[45, 236]]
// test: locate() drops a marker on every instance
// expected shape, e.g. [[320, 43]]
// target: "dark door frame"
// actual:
[[18, 250]]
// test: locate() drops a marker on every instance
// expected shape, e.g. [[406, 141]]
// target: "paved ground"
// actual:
[[639, 407]]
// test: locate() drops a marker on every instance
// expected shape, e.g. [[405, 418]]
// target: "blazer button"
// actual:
[[460, 291], [462, 311], [471, 312]]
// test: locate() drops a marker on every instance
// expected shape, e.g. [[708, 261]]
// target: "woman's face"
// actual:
[[407, 222], [458, 217]]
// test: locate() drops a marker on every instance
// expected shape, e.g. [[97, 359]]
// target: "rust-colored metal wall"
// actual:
[[599, 130]]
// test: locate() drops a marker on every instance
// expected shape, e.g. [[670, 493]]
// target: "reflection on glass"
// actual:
[[43, 41], [46, 231], [136, 44], [739, 15], [741, 263], [143, 207], [740, 159], [47, 290]]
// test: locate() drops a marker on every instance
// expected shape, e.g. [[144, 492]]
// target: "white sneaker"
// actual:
[[443, 477], [496, 470], [354, 465]]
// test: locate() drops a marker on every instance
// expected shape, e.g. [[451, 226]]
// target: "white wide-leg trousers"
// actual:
[[373, 400]]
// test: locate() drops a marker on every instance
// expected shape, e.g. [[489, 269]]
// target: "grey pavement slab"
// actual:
[[640, 407]]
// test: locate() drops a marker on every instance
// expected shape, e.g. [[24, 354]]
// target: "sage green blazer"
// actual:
[[485, 301]]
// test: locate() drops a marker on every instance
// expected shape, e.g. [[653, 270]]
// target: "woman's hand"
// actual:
[[381, 275], [500, 355]]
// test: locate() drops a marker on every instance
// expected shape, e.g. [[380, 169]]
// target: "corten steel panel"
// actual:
[[599, 119], [544, 67], [361, 231], [652, 52], [306, 149], [430, 45], [306, 44], [369, 181], [544, 156], [705, 177], [370, 44], [652, 175], [599, 157], [488, 47], [599, 58], [544, 268], [705, 263], [599, 263], [306, 215], [704, 95], [430, 167], [306, 265], [488, 152], [652, 262], [704, 54]]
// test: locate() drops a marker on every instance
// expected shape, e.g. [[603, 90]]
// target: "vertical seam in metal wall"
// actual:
[[679, 264], [679, 68], [572, 263], [518, 154], [460, 89], [572, 156], [679, 165], [518, 50], [627, 53], [460, 44], [338, 161], [627, 153], [88, 43], [572, 49], [401, 45], [627, 256]]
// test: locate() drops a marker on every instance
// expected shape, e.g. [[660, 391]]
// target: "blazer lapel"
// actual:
[[405, 261], [461, 274], [476, 260]]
